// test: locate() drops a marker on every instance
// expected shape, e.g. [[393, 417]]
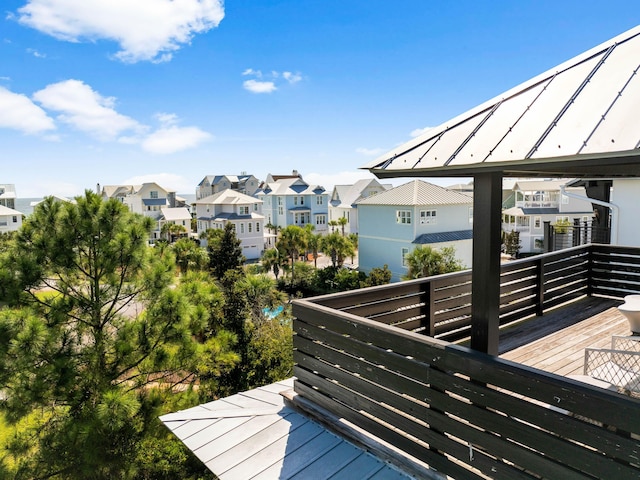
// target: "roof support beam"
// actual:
[[485, 276]]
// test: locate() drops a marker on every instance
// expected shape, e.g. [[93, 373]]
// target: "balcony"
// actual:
[[392, 361]]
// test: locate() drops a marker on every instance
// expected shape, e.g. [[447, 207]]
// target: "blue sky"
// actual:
[[98, 91]]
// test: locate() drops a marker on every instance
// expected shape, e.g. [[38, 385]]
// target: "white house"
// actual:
[[344, 198], [247, 184], [147, 199], [289, 200], [8, 195], [242, 211], [177, 216], [540, 201], [394, 222], [10, 219]]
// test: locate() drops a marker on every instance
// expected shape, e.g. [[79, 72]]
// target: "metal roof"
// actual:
[[256, 434], [176, 213], [441, 237], [578, 119], [417, 192], [228, 197]]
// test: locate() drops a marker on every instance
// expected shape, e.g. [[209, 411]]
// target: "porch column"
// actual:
[[485, 276]]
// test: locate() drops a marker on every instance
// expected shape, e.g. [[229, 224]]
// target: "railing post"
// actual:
[[540, 286], [547, 242], [431, 307]]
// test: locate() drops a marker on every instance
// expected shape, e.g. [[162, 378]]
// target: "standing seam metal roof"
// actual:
[[418, 192], [579, 112]]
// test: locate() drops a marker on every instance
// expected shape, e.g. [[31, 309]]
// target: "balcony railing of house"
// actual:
[[579, 233], [381, 358]]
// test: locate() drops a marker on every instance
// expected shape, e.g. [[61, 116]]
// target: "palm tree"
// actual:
[[342, 221], [271, 261], [425, 261], [292, 241], [337, 247], [333, 224], [172, 231]]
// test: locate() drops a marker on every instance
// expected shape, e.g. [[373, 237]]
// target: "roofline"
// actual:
[[624, 163]]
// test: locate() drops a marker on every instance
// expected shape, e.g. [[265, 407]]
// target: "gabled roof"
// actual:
[[578, 119], [8, 211], [418, 192], [177, 213], [346, 195], [228, 197], [539, 185], [291, 186]]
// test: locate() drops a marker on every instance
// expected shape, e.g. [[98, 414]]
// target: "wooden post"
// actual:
[[485, 276]]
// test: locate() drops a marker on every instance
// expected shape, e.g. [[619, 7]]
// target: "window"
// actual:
[[403, 217], [537, 222], [295, 200], [153, 194], [244, 210], [427, 217], [279, 200], [321, 219], [15, 219], [257, 226], [562, 219], [319, 200], [404, 252], [249, 225], [242, 228], [280, 210], [255, 207]]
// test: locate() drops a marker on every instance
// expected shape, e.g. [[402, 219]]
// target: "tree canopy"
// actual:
[[424, 261]]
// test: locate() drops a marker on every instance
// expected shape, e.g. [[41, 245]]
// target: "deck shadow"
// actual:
[[535, 328]]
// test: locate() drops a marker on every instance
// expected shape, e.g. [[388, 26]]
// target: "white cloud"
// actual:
[[85, 109], [168, 181], [268, 85], [370, 152], [419, 131], [255, 86], [36, 53], [144, 29], [20, 113], [171, 139], [292, 77]]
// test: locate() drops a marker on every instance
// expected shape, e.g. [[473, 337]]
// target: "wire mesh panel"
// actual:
[[629, 344], [618, 367]]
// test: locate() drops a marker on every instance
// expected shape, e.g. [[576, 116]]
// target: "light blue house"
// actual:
[[394, 222], [292, 201]]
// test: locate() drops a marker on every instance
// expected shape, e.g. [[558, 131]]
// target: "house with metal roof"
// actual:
[[10, 219], [243, 183], [394, 222], [344, 198], [8, 195], [544, 201], [289, 200], [244, 212]]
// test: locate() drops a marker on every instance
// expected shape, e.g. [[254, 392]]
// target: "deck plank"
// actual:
[[555, 344]]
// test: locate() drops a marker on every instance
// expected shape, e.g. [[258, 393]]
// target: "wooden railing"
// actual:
[[369, 356]]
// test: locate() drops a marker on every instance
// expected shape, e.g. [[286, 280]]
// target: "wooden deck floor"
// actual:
[[556, 342]]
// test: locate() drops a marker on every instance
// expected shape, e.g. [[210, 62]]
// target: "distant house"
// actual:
[[393, 223], [8, 195], [242, 211], [540, 201], [211, 184], [344, 198], [147, 199], [176, 216], [10, 219], [289, 200]]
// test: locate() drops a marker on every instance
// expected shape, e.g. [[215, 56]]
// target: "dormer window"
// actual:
[[153, 194]]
